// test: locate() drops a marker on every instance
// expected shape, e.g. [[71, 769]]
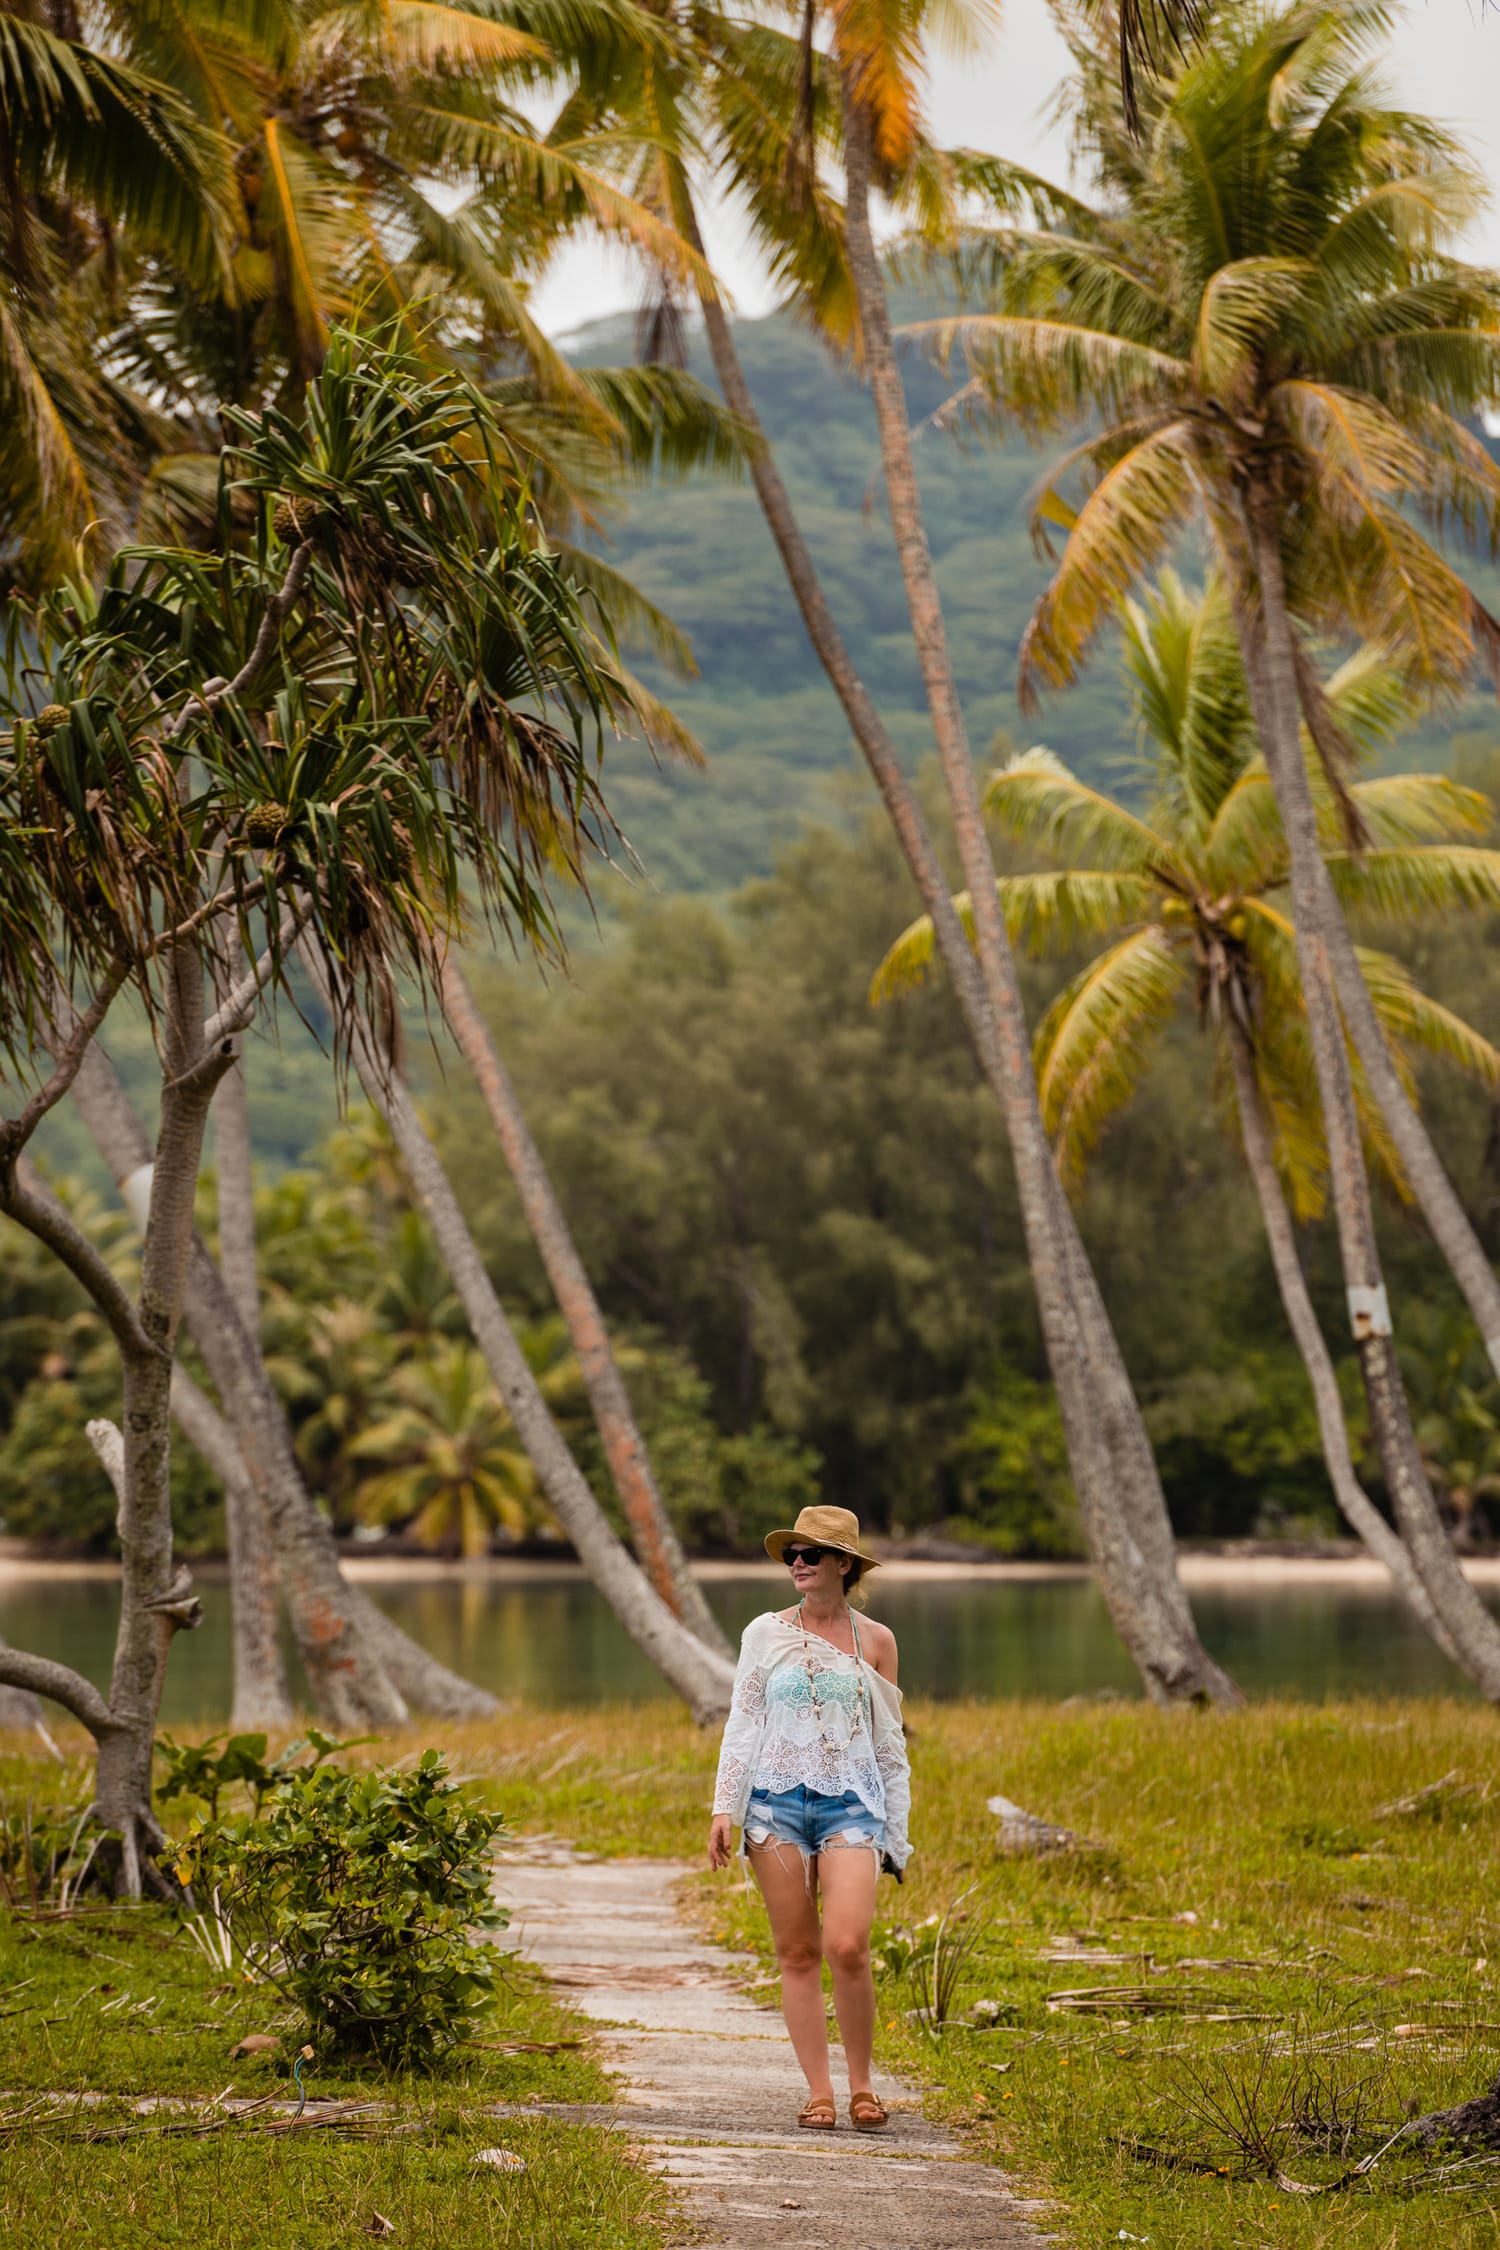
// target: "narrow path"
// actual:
[[709, 2087]]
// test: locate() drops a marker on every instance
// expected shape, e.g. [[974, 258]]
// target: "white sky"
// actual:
[[1444, 60]]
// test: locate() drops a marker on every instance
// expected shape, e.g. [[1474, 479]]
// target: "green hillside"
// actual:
[[761, 707]]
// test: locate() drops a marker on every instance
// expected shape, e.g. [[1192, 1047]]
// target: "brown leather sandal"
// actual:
[[817, 2115], [868, 2113]]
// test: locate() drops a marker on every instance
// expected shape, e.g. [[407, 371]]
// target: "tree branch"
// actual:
[[222, 902], [238, 1004], [16, 1131], [26, 1198], [60, 1684], [214, 692]]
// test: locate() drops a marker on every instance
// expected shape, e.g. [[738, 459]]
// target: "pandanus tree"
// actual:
[[383, 170], [297, 167], [1262, 328], [1190, 895], [216, 762], [770, 114]]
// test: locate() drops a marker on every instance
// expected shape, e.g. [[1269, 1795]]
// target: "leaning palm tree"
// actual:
[[878, 56], [1262, 328], [1191, 896], [765, 109]]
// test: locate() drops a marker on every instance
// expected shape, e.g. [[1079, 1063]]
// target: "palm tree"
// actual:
[[1264, 325], [765, 108], [1115, 1474], [652, 1531], [1192, 898], [102, 163], [453, 1468]]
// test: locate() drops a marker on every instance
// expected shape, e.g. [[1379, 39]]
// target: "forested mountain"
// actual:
[[760, 705], [775, 738]]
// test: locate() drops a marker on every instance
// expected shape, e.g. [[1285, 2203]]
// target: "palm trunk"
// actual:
[[698, 1674], [153, 1603], [349, 1685], [652, 1532], [1451, 1227], [307, 1558], [1114, 1470], [1355, 1505], [1131, 1591], [1271, 673], [260, 1698]]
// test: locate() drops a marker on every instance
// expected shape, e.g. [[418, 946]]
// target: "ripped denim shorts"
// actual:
[[812, 1822]]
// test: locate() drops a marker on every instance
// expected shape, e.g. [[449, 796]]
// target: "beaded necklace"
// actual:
[[812, 1681]]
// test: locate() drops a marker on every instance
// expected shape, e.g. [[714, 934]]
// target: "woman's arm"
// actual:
[[738, 1750]]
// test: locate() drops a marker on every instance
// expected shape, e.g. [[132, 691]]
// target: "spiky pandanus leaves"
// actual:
[[253, 732]]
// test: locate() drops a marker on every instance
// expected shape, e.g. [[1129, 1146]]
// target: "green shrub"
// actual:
[[358, 1896]]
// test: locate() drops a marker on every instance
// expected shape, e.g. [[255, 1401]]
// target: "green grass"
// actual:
[[1332, 1922], [1268, 1828], [117, 2004]]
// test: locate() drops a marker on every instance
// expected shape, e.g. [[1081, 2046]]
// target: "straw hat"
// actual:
[[823, 1527]]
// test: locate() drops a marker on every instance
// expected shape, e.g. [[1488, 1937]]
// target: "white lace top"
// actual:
[[773, 1740]]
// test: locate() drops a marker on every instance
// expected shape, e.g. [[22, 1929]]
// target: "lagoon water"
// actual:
[[544, 1635]]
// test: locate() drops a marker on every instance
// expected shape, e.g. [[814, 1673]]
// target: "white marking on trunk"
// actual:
[[1369, 1313], [136, 1189]]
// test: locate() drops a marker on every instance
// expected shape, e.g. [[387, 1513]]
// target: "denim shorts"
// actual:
[[811, 1821]]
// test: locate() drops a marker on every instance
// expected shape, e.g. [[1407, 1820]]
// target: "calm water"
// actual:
[[551, 1639]]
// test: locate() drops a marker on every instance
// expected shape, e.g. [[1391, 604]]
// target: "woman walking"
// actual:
[[813, 1769]]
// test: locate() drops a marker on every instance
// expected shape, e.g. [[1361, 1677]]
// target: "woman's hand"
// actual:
[[720, 1840]]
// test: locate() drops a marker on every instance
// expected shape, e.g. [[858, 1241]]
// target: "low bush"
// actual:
[[363, 1898]]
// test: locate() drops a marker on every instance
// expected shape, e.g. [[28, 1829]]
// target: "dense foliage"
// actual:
[[811, 1197], [397, 1423]]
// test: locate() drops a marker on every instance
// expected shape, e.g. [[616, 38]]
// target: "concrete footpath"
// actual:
[[709, 2089]]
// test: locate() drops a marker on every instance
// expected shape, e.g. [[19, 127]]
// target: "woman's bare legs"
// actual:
[[847, 1876], [784, 1885], [846, 1879]]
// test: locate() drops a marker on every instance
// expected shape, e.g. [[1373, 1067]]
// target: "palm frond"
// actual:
[[1038, 801], [1411, 1018], [1245, 849], [1413, 882], [1243, 302], [1098, 1038], [631, 614], [1422, 808], [1124, 528], [1052, 913]]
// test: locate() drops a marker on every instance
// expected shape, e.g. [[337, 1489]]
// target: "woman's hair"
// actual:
[[854, 1593]]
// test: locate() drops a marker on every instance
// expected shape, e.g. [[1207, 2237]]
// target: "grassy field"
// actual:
[[1278, 1950], [1278, 1953], [119, 2005]]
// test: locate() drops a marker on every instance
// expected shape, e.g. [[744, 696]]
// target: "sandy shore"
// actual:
[[1232, 1572]]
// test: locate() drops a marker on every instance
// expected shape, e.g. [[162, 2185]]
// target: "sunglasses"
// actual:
[[812, 1556]]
